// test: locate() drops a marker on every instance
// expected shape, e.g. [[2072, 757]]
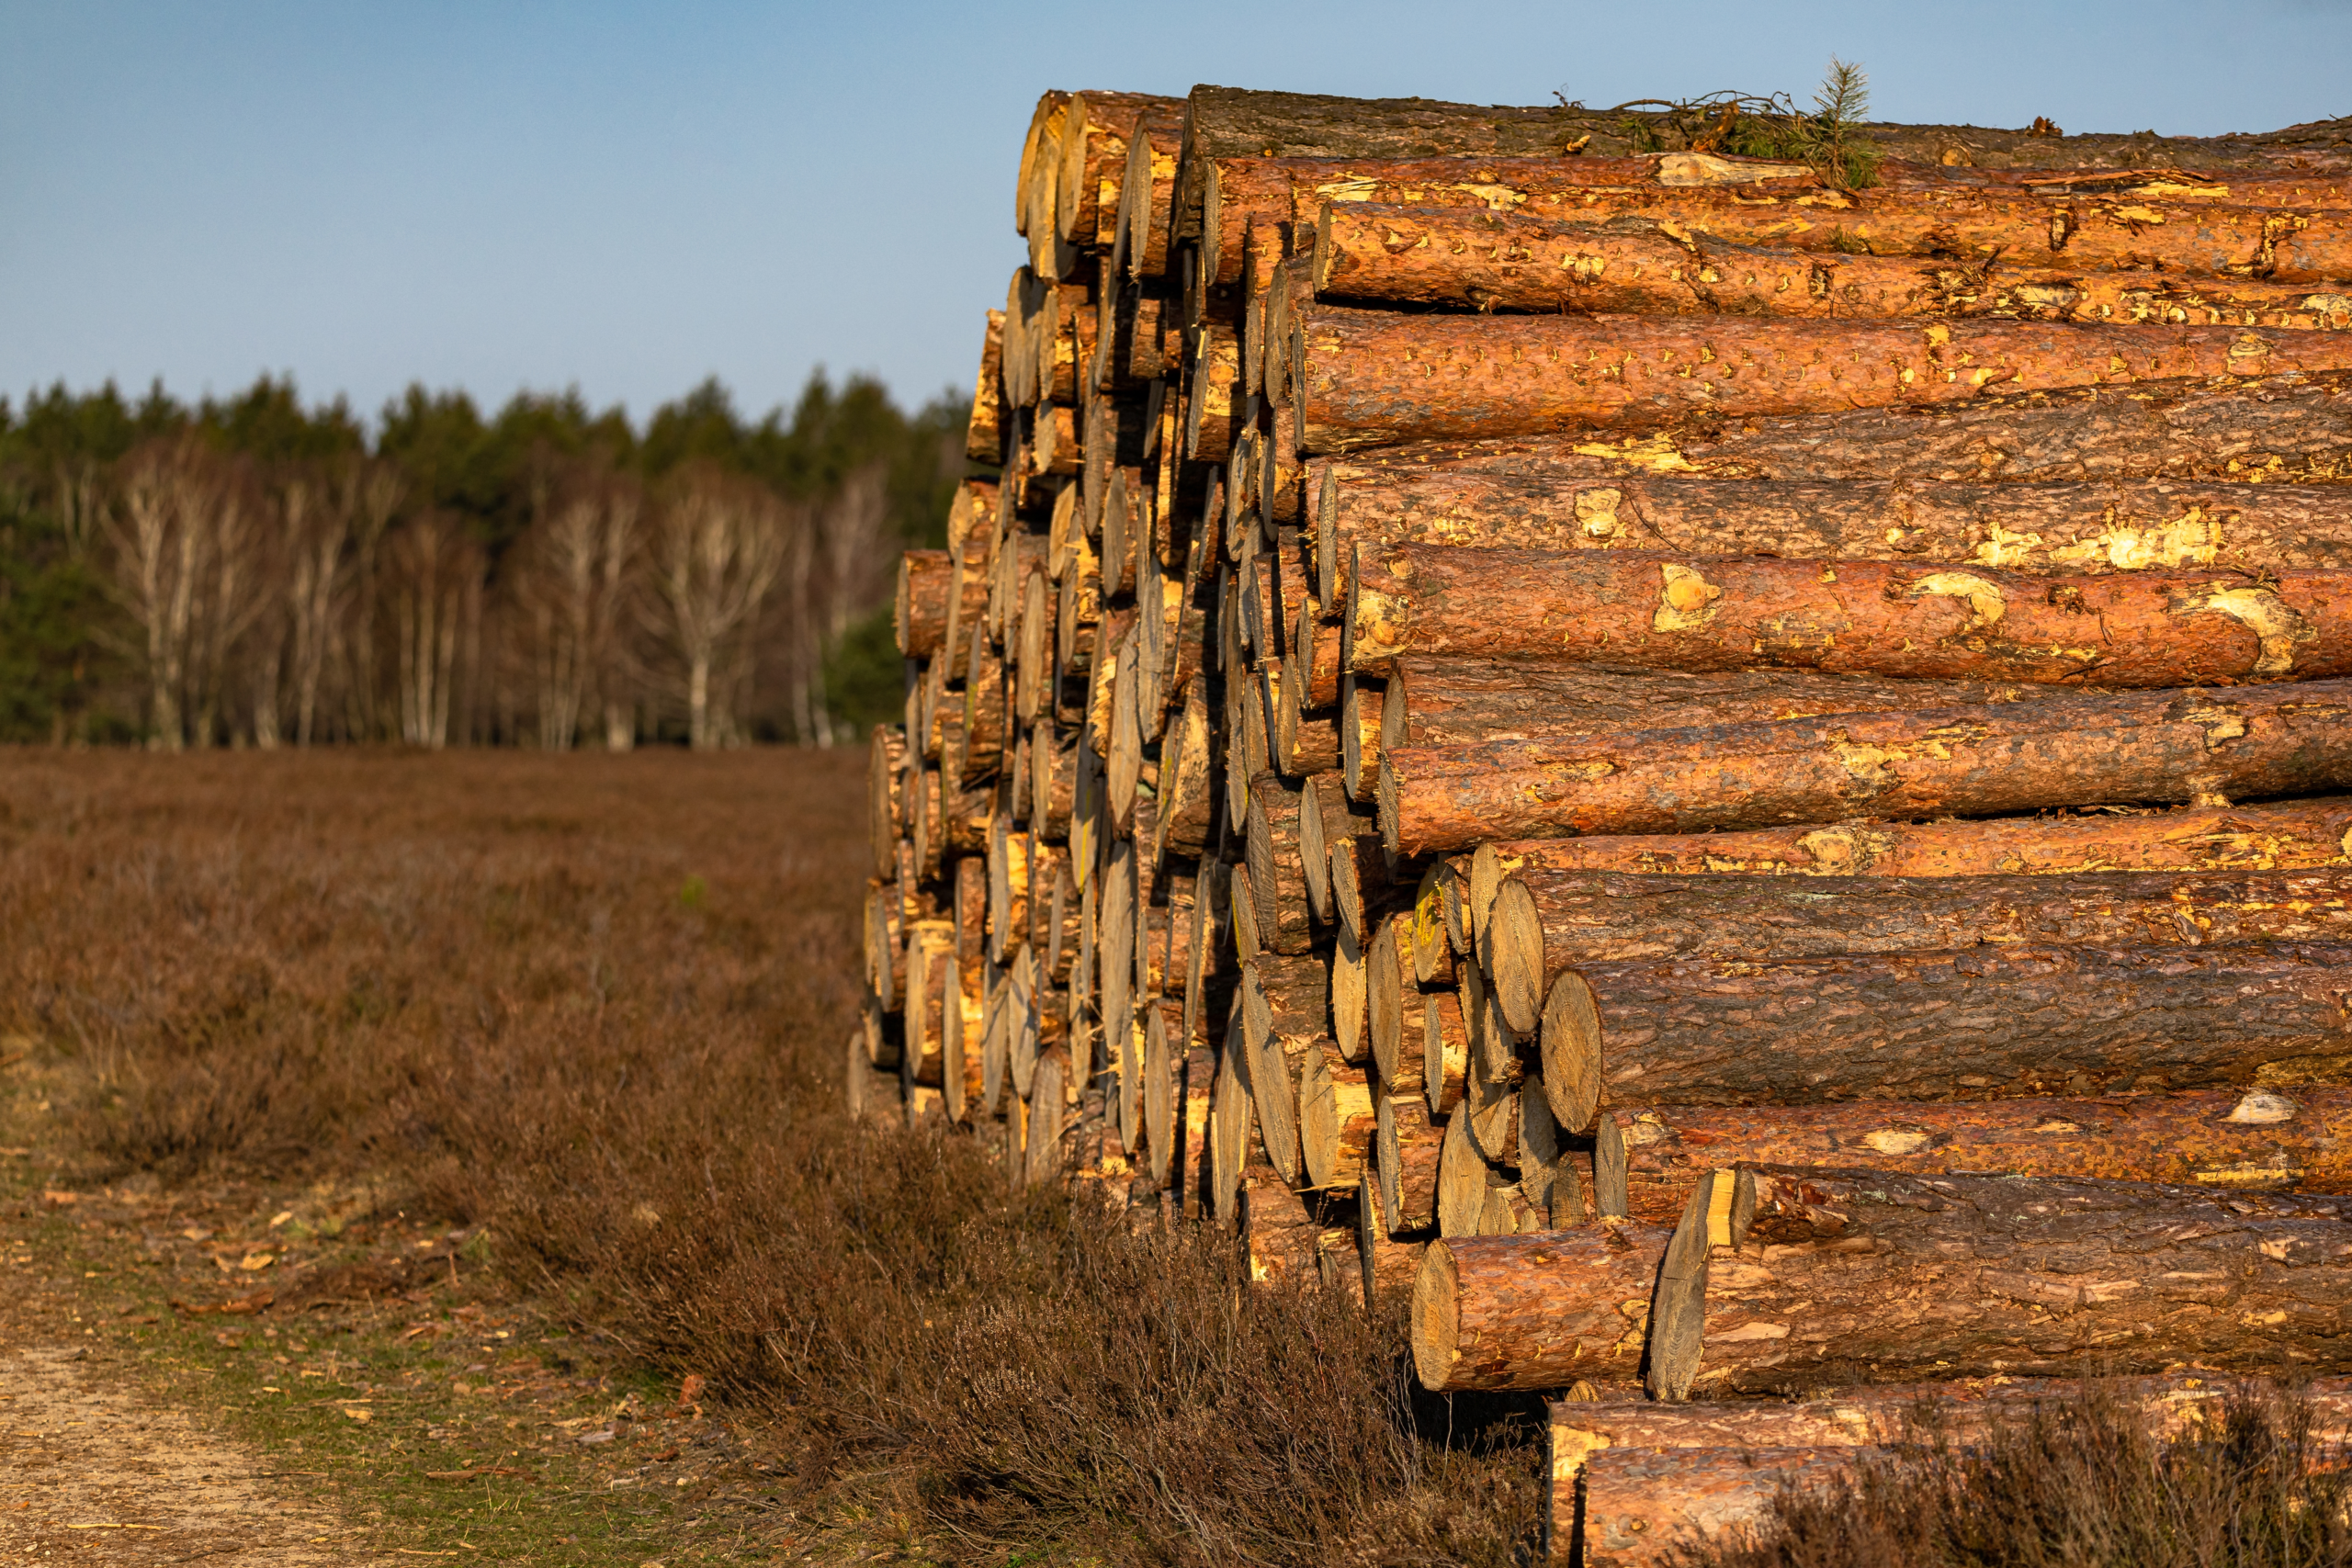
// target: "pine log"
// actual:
[[929, 987], [1391, 1002], [1197, 1110], [2068, 748], [1147, 195], [885, 946], [1433, 953], [1232, 1117], [1284, 1006], [1361, 703], [1644, 610], [1335, 1122], [1636, 1481], [1277, 874], [1446, 1053], [1483, 141], [1410, 1147], [2029, 526], [984, 430], [1325, 818], [886, 815], [1097, 128], [1547, 922], [2223, 1140], [2043, 1275], [1047, 1145], [1388, 1263], [1350, 996], [1388, 255], [2278, 429], [1374, 379], [2280, 835], [1008, 885], [1978, 1023]]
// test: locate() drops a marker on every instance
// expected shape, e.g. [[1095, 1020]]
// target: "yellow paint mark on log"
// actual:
[[1597, 514], [1656, 454], [2190, 539], [1686, 602], [1893, 1140], [1985, 603], [2274, 623]]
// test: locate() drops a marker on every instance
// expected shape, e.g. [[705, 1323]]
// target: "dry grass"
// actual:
[[2077, 1485], [594, 1003]]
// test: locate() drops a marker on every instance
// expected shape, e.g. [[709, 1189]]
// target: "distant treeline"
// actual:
[[251, 571]]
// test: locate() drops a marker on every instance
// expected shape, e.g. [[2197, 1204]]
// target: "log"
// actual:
[[1646, 610], [984, 431], [2277, 429], [1196, 1106], [1284, 1009], [1277, 873], [1373, 378], [1147, 195], [2041, 1274], [1489, 1106], [1439, 701], [1388, 1263], [1326, 818], [2068, 748], [1493, 144], [1446, 1053], [1410, 1147], [1044, 1134], [1350, 999], [1547, 922], [1231, 1119], [1978, 1023], [1097, 128], [1389, 1000], [1388, 255], [1637, 1482], [2277, 836], [1335, 1122], [1467, 1182], [1799, 1272], [2224, 1140], [886, 814], [1009, 861]]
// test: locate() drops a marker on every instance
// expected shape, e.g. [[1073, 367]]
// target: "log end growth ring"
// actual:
[[1515, 955], [1437, 1323], [1571, 1051]]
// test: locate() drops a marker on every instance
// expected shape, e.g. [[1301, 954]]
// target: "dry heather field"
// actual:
[[463, 1128]]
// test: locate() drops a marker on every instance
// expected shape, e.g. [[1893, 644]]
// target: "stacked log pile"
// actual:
[[1712, 776]]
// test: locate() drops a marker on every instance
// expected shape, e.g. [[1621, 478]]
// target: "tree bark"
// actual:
[[2033, 527], [1388, 1263], [1097, 127], [1434, 700], [2284, 429], [1978, 1023], [2066, 748], [927, 580], [2025, 1274], [1387, 254], [2280, 836], [2222, 1140], [1703, 613], [1547, 922], [1373, 379], [1284, 1009]]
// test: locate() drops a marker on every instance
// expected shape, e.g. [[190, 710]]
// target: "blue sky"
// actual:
[[628, 198]]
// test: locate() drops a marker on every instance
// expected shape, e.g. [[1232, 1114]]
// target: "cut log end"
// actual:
[[1515, 955], [1571, 1051], [1437, 1323]]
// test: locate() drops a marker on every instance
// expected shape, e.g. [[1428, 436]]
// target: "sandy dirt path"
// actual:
[[91, 1471]]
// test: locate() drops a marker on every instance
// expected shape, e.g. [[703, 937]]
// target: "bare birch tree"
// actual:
[[315, 509], [375, 490], [435, 576], [187, 562], [573, 578], [719, 541]]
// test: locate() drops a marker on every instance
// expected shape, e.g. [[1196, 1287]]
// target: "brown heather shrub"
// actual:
[[2077, 1485], [595, 1003]]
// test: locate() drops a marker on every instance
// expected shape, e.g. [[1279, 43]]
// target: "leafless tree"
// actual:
[[719, 542], [186, 560], [434, 574], [575, 572], [856, 575], [373, 491]]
